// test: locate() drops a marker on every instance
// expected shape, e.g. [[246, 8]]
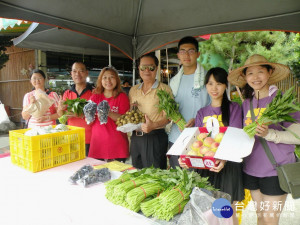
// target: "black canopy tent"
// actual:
[[136, 27]]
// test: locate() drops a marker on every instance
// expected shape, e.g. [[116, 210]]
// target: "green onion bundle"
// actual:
[[167, 213], [148, 208], [156, 192], [110, 185], [121, 190], [137, 195], [277, 111], [171, 108]]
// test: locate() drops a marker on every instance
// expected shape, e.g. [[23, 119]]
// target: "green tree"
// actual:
[[5, 41], [236, 47], [295, 64]]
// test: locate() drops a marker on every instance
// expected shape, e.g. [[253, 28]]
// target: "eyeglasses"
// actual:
[[190, 51], [150, 67]]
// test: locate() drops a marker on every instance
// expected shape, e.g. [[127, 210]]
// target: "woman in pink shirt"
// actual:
[[37, 80]]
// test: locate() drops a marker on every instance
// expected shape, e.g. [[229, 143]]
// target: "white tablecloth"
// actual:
[[47, 198]]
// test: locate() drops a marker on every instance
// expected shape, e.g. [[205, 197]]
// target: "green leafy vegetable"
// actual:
[[158, 193], [277, 111], [171, 108], [63, 119], [76, 105]]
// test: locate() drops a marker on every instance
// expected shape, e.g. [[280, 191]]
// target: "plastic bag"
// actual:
[[96, 176], [198, 209], [83, 171], [129, 127], [103, 110], [87, 176], [41, 105], [3, 115], [89, 111]]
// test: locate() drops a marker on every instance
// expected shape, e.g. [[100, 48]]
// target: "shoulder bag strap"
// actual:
[[263, 141]]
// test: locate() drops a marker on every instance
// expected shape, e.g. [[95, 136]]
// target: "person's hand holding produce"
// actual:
[[61, 104], [220, 165], [190, 123], [32, 99], [262, 130], [182, 164]]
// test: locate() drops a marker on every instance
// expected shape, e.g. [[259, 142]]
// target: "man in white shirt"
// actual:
[[188, 87]]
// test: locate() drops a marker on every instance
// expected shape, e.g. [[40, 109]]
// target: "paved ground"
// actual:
[[289, 216]]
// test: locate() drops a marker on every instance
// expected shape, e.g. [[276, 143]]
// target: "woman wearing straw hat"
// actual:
[[257, 78]]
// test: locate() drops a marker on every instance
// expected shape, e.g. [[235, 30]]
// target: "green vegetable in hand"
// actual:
[[63, 119], [171, 108], [277, 111], [76, 105]]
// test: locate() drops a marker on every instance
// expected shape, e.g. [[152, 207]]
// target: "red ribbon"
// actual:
[[178, 120], [133, 183], [158, 193], [180, 193], [144, 191]]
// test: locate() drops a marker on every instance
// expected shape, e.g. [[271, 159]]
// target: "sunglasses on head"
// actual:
[[144, 67]]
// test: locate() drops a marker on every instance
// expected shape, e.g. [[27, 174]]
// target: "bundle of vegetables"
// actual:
[[164, 214], [74, 106], [277, 111], [121, 190], [171, 108], [158, 193], [127, 175], [170, 201], [137, 195]]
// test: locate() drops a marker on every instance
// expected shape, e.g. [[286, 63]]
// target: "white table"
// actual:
[[47, 198]]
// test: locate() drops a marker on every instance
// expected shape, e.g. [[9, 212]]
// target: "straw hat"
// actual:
[[279, 73]]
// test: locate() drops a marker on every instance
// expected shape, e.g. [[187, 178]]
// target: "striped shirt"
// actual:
[[52, 110]]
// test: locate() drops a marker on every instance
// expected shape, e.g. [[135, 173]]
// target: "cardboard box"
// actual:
[[234, 146]]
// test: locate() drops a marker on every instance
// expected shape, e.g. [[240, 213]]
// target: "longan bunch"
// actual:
[[133, 116]]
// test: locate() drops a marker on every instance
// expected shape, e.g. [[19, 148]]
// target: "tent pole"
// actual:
[[109, 56], [133, 62], [158, 73], [167, 72], [134, 41]]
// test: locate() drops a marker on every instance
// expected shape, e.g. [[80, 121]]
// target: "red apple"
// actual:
[[208, 141], [203, 149], [210, 153], [201, 136], [214, 146], [197, 144]]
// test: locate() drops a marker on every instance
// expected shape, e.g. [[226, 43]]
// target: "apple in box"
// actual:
[[203, 149], [198, 150]]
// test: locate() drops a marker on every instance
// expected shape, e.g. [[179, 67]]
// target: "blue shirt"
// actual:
[[190, 100]]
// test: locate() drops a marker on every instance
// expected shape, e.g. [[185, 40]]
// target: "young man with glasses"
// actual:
[[150, 144], [188, 88], [80, 89]]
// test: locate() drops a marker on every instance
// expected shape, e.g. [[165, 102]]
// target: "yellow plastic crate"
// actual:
[[36, 153]]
